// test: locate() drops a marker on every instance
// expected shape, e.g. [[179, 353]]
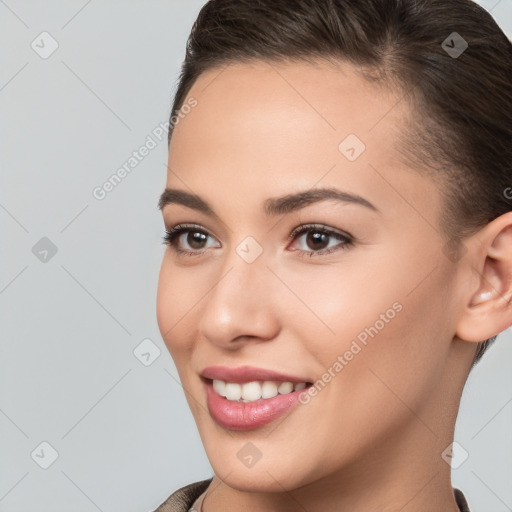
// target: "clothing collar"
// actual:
[[182, 499]]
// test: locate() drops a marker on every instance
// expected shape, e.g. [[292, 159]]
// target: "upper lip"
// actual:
[[247, 374]]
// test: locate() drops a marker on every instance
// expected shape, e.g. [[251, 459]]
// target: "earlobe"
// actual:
[[489, 309]]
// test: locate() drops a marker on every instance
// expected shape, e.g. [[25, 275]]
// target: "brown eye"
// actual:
[[315, 240], [189, 240], [196, 239]]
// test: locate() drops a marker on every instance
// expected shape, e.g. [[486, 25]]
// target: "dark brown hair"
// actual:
[[461, 131]]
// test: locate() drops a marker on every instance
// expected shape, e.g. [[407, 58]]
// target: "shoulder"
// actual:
[[182, 499]]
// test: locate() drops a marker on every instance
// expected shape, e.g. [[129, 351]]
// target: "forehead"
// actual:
[[292, 125], [296, 101]]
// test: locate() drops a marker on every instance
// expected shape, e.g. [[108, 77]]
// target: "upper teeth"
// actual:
[[252, 391]]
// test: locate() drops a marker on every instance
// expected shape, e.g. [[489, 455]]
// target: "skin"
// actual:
[[265, 130]]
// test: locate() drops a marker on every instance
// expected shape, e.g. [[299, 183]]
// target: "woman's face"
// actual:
[[362, 300]]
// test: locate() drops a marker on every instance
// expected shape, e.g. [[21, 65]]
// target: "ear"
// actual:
[[488, 308]]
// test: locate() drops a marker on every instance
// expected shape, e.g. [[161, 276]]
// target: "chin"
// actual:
[[278, 471], [264, 479]]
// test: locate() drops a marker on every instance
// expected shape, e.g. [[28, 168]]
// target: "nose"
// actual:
[[242, 306]]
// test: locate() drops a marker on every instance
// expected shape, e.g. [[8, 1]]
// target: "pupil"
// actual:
[[317, 240], [195, 239]]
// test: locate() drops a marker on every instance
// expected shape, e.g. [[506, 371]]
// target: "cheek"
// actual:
[[341, 302], [164, 301], [174, 305], [380, 314]]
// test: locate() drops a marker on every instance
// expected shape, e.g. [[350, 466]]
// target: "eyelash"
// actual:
[[171, 236]]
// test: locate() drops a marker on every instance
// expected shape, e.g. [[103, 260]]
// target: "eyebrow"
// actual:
[[273, 206]]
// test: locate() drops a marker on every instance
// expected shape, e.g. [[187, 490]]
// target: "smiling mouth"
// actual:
[[257, 398], [255, 390]]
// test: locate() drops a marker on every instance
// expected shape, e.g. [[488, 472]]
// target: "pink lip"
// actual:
[[247, 415], [247, 374]]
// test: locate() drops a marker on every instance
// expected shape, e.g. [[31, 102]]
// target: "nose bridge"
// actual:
[[244, 270], [240, 303]]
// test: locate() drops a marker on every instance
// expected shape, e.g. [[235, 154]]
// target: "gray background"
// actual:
[[70, 321]]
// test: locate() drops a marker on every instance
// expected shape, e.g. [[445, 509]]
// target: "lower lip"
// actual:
[[248, 415]]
